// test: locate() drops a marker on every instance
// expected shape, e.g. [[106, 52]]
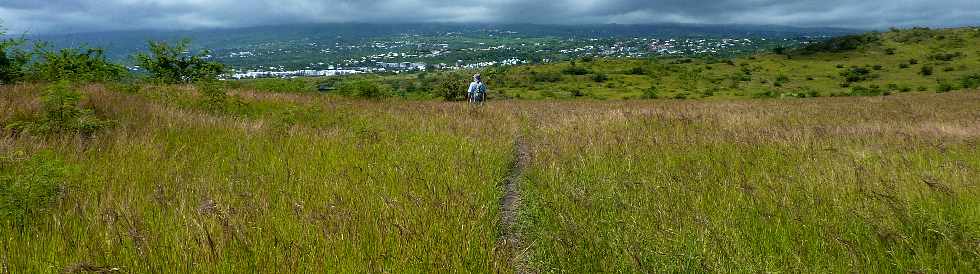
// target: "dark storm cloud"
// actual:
[[95, 15]]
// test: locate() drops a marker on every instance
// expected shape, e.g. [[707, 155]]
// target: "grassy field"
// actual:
[[300, 182], [292, 184], [886, 184]]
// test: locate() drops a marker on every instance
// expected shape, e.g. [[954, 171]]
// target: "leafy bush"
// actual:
[[74, 64], [30, 187], [12, 60], [371, 90], [971, 81], [639, 71], [903, 66], [765, 94], [600, 77], [62, 114], [855, 74], [651, 93], [172, 64], [548, 77], [451, 88], [214, 97], [926, 70], [945, 56], [944, 87], [575, 70]]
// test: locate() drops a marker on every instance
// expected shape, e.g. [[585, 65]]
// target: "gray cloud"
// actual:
[[57, 16]]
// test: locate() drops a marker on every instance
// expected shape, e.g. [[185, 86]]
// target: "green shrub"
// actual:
[[213, 95], [451, 88], [575, 70], [971, 81], [903, 66], [172, 64], [30, 187], [74, 64], [926, 70], [651, 93], [945, 56], [944, 87], [600, 77], [61, 114], [12, 60], [766, 94], [639, 70], [855, 74], [545, 77]]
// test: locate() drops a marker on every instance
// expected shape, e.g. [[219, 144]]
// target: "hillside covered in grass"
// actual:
[[178, 172], [875, 63]]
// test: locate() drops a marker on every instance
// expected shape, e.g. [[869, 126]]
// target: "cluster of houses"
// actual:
[[293, 73]]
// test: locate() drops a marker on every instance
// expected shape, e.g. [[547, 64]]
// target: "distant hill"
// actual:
[[121, 44], [868, 64]]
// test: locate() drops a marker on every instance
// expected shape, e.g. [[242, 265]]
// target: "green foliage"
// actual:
[[61, 114], [640, 70], [841, 44], [545, 77], [945, 56], [855, 74], [213, 94], [873, 90], [362, 89], [30, 187], [600, 77], [575, 70], [173, 65], [971, 81], [944, 86], [926, 71], [651, 93], [279, 85], [74, 64], [12, 60]]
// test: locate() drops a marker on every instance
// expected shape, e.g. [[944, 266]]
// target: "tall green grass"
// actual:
[[849, 185]]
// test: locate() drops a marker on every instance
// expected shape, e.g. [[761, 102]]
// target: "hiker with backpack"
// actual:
[[477, 93]]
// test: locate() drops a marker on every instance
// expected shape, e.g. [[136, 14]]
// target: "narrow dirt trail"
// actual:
[[511, 242]]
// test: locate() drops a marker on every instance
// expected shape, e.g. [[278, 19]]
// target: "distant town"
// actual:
[[453, 51]]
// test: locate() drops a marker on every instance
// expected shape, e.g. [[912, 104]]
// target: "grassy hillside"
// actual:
[[861, 65], [881, 63], [266, 176]]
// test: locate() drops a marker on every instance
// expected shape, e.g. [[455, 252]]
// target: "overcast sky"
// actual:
[[64, 16]]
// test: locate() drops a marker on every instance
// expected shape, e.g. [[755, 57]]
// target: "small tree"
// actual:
[[173, 64], [74, 64], [451, 88], [12, 60]]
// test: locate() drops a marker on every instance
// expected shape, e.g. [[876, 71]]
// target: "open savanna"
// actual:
[[304, 182]]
